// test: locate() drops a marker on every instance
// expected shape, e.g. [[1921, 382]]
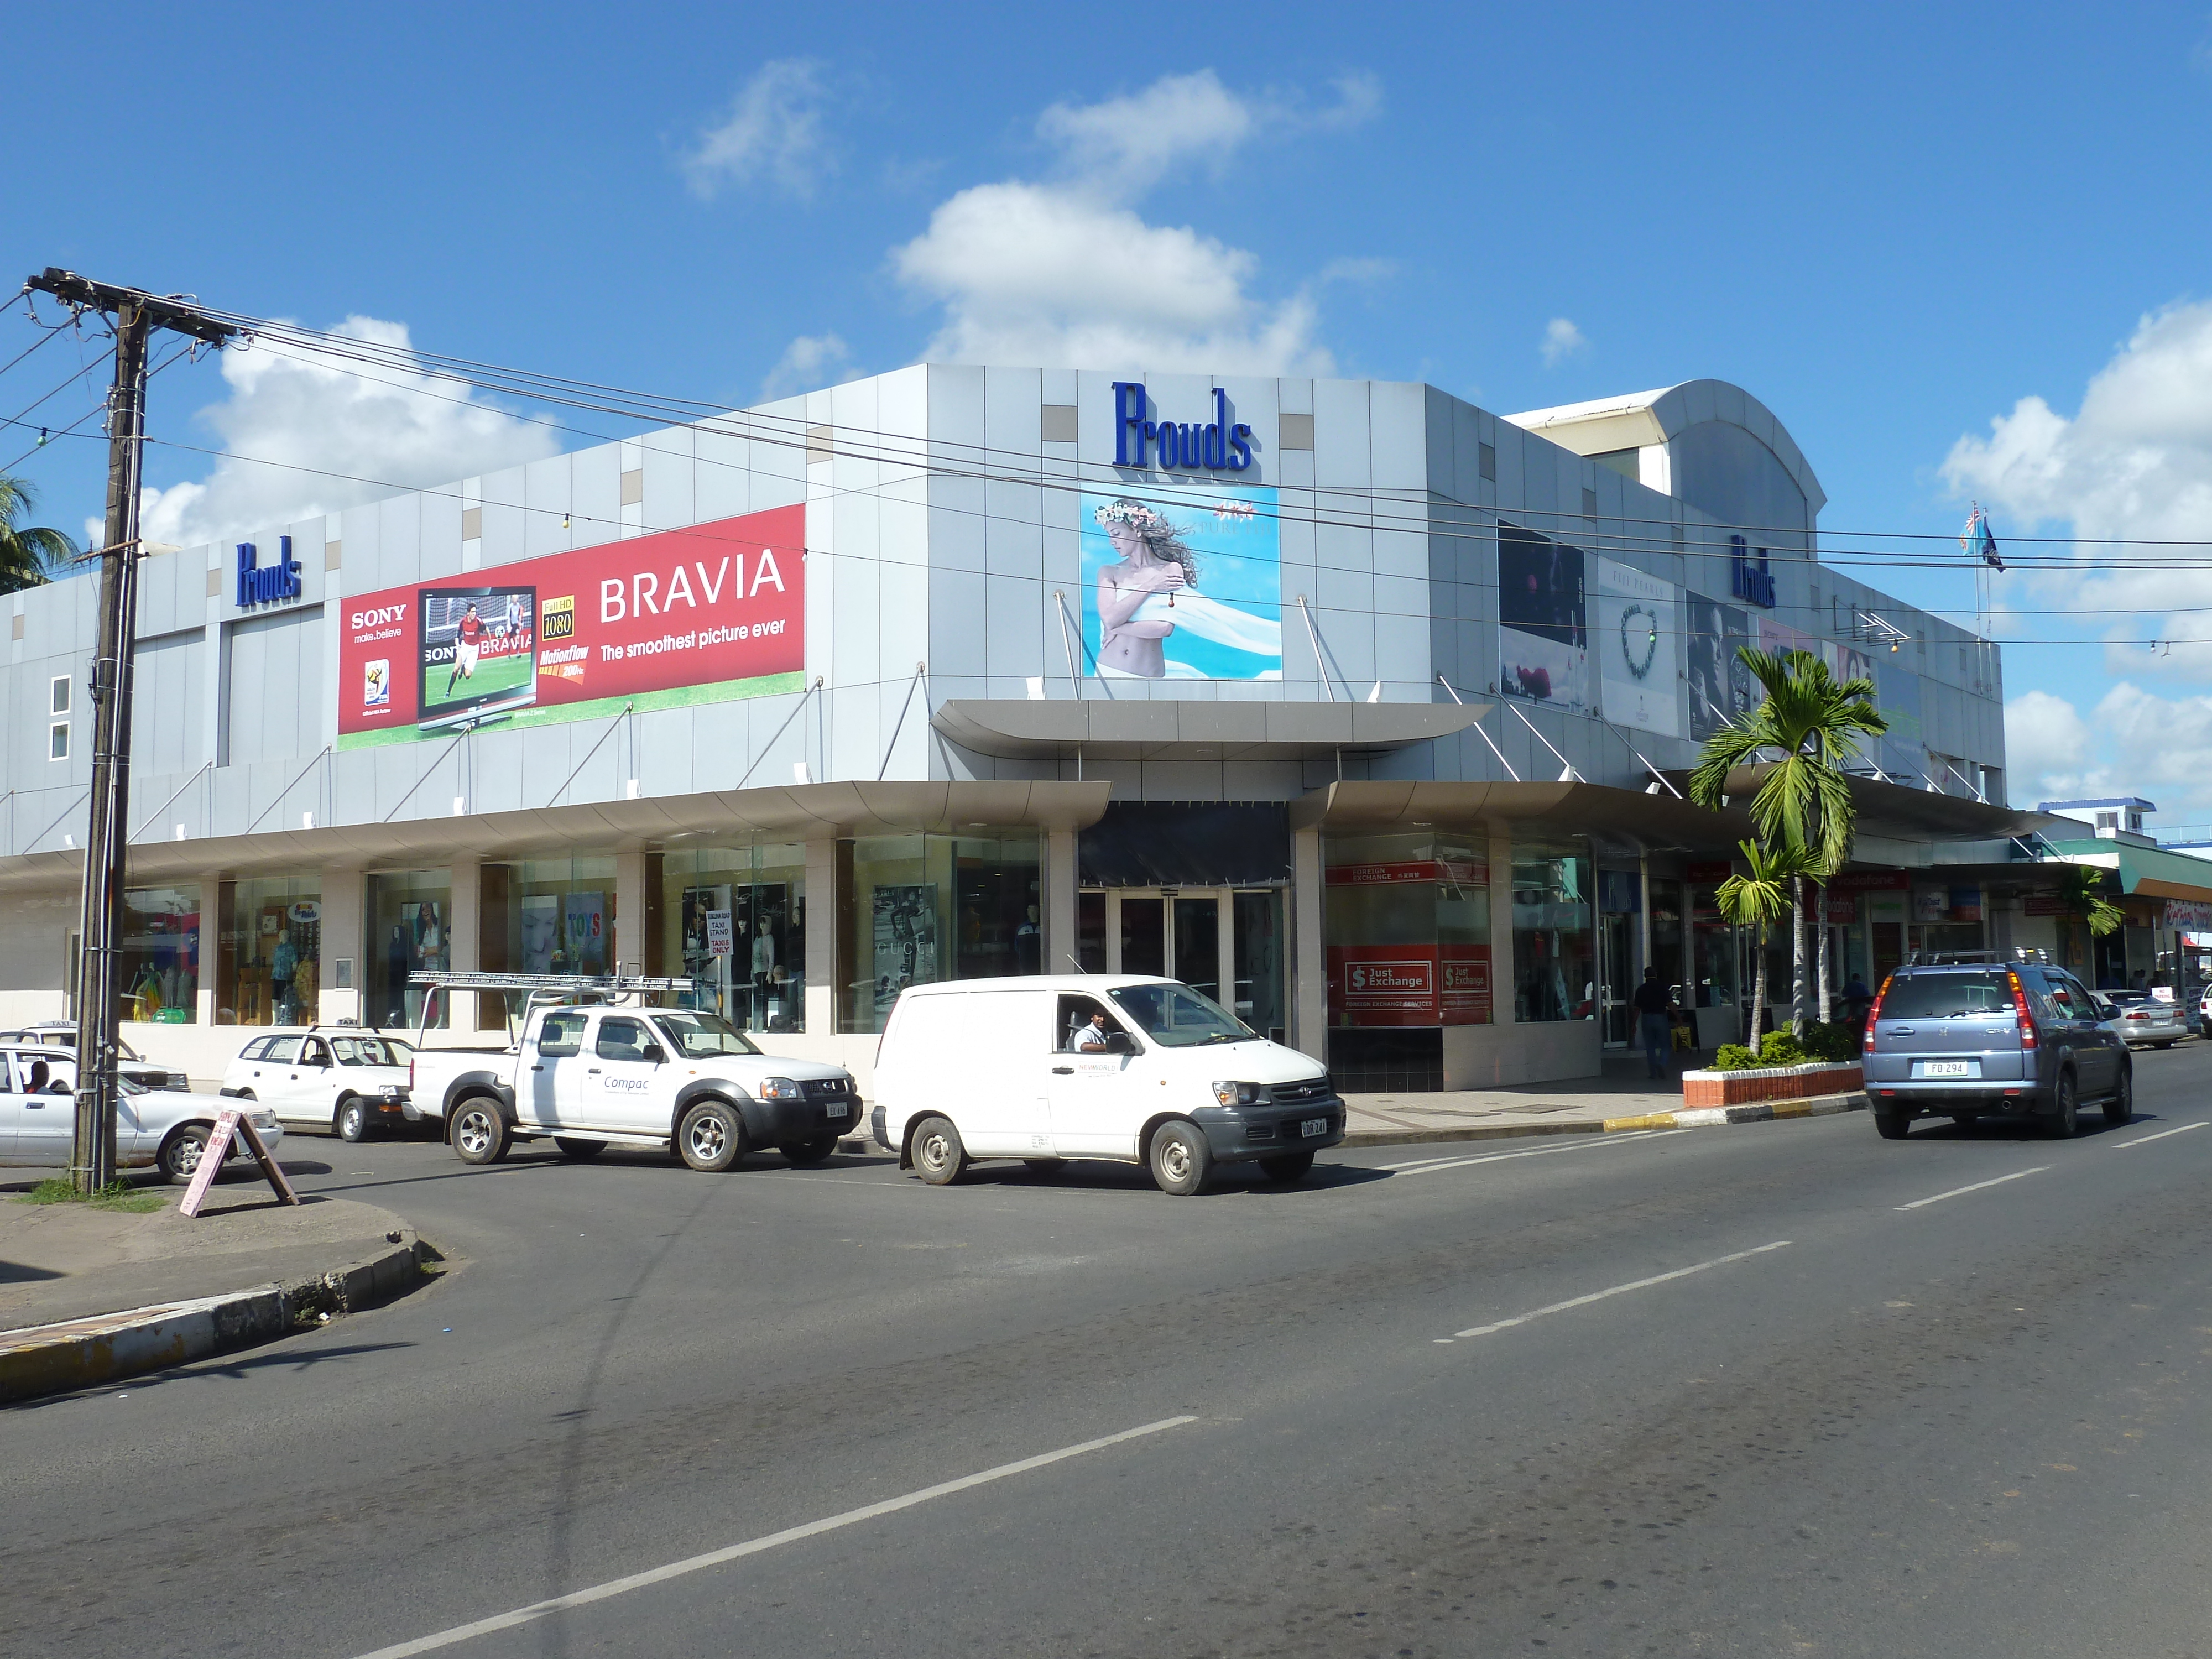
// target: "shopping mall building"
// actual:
[[1349, 703]]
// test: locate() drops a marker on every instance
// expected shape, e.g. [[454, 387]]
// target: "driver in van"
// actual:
[[1091, 1039]]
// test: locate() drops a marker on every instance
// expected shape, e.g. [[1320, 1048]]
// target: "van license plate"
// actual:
[[1312, 1126], [1946, 1068]]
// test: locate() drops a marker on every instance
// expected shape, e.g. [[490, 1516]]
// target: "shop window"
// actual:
[[734, 921], [157, 970], [1554, 965], [914, 909], [1712, 951], [410, 916], [268, 952], [1406, 923], [545, 916]]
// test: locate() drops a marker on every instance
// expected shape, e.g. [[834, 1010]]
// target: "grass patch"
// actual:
[[116, 1195]]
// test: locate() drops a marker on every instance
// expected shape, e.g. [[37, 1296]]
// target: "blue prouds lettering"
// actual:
[[1215, 446], [262, 585]]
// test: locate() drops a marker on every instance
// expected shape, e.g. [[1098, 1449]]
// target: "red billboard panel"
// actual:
[[706, 614], [1409, 985]]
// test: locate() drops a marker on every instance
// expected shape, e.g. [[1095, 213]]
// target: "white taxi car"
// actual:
[[165, 1128], [335, 1078]]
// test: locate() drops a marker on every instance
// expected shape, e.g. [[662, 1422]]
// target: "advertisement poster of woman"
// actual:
[[1182, 584], [1543, 616]]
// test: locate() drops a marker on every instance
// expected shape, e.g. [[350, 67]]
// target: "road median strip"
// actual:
[[76, 1353]]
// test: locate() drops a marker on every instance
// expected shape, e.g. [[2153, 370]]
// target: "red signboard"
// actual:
[[1870, 881], [700, 615], [1713, 870], [1465, 873], [1409, 984], [2043, 904]]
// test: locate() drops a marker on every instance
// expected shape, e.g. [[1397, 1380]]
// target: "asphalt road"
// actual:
[[1863, 1424]]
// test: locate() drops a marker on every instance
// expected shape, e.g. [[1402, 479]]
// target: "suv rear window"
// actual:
[[1947, 996]]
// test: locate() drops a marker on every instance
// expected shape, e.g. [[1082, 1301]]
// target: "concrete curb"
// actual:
[[1692, 1118], [43, 1359]]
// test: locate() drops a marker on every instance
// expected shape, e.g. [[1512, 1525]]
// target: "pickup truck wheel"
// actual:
[[2121, 1107], [350, 1122], [480, 1134], [811, 1151], [1290, 1166], [939, 1155], [1892, 1125], [712, 1137], [2065, 1118], [180, 1153], [1181, 1158], [578, 1150]]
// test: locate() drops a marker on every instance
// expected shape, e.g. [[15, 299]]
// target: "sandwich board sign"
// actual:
[[230, 1124]]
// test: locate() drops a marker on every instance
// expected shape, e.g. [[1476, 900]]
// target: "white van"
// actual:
[[1125, 1066]]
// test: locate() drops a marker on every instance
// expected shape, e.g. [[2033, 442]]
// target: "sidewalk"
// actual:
[[1626, 1098], [88, 1295]]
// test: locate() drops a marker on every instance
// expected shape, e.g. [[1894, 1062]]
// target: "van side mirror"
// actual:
[[1120, 1042]]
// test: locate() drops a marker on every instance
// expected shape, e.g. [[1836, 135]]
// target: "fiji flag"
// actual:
[[1976, 538]]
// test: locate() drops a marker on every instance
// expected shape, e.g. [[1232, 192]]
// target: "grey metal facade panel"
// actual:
[[595, 494], [1342, 452], [276, 674]]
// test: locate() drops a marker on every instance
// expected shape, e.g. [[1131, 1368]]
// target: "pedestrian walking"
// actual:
[[1654, 1003]]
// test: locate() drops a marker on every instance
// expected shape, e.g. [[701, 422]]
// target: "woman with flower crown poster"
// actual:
[[1147, 618]]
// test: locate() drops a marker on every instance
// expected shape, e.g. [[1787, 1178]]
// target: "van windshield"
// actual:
[[1176, 1016], [1947, 996], [701, 1035]]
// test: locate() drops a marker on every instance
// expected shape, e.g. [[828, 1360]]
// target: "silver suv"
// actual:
[[1971, 1039]]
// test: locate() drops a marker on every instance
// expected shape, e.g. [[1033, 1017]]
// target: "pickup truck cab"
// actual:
[[595, 1076], [341, 1079]]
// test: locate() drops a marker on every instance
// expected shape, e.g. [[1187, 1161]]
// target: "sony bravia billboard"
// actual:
[[707, 614]]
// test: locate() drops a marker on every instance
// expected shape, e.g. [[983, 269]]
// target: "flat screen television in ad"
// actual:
[[477, 648]]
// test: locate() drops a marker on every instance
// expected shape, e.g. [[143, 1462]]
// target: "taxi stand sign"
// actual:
[[228, 1123]]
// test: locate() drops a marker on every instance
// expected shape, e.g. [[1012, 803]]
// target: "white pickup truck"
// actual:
[[593, 1075]]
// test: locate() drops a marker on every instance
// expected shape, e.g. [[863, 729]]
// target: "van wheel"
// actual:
[[1180, 1158], [578, 1150], [1892, 1126], [1290, 1166], [352, 1122], [2065, 1118], [811, 1151], [938, 1156], [2121, 1107], [711, 1137], [480, 1134]]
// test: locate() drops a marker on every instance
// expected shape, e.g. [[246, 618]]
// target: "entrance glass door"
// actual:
[[1225, 943], [1616, 977]]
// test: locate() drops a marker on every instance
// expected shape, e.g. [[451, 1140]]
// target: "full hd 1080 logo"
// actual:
[[266, 585], [1214, 446]]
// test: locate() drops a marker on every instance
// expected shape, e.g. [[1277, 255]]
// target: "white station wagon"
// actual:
[[334, 1077]]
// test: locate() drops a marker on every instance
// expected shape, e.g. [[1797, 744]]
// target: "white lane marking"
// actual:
[[1428, 1166], [1618, 1290], [1955, 1192], [2160, 1135], [446, 1638]]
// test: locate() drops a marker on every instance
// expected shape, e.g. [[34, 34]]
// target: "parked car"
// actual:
[[593, 1076], [2145, 1021], [337, 1078], [1002, 1069], [1970, 1040], [165, 1128], [61, 1034]]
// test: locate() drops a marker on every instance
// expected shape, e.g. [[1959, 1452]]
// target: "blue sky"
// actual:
[[1893, 224]]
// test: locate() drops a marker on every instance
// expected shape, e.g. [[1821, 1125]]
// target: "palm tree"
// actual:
[[2081, 890], [1753, 901], [26, 555], [1802, 808]]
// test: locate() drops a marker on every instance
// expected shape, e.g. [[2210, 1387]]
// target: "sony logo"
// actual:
[[380, 617]]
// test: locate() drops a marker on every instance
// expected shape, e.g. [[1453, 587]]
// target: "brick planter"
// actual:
[[1758, 1083]]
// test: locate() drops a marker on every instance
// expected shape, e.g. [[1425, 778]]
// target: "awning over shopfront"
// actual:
[[793, 813], [1104, 727], [1648, 823], [2146, 872], [1893, 812]]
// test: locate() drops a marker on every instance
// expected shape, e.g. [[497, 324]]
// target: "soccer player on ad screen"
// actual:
[[467, 644]]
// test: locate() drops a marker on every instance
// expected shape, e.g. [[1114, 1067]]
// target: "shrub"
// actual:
[[1836, 1043], [1733, 1057], [1780, 1048]]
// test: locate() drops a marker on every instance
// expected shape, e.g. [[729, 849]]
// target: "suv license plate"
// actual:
[[835, 1108], [1312, 1126], [1946, 1068]]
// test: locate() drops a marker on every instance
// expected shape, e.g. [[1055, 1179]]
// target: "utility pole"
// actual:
[[137, 314]]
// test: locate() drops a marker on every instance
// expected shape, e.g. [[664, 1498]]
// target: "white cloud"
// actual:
[[337, 438], [2047, 744], [1562, 340], [809, 361], [1069, 272], [2133, 742], [773, 132], [2134, 462]]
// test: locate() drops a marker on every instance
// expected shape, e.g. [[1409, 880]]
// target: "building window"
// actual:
[[57, 694], [734, 921], [1554, 964], [157, 969], [545, 916], [58, 740], [2108, 821], [1712, 951], [269, 953], [1406, 923], [409, 914], [913, 909]]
